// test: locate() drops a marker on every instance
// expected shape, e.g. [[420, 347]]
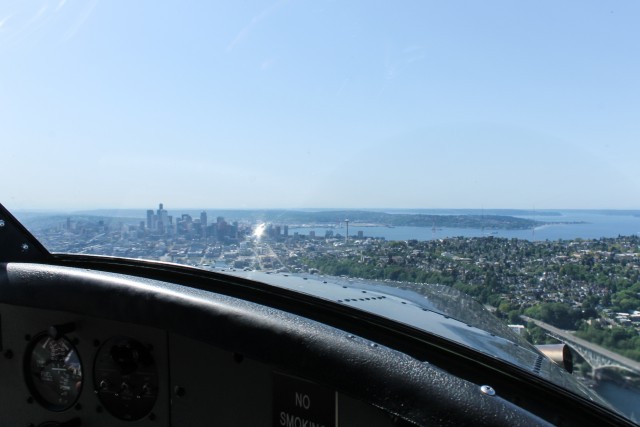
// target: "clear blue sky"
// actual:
[[288, 104]]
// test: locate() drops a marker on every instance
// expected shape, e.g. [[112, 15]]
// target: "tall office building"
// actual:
[[203, 223], [150, 222], [162, 219]]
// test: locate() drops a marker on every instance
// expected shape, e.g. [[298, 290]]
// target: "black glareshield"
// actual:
[[17, 244]]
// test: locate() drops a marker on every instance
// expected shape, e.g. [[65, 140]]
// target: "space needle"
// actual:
[[347, 239]]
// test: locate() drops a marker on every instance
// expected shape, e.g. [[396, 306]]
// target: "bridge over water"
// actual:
[[598, 357]]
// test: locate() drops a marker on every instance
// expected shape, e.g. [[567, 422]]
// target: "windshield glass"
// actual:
[[489, 147]]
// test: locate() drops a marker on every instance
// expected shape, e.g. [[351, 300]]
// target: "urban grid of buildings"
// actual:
[[540, 274]]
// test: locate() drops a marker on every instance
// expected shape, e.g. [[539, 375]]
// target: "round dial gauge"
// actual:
[[53, 372], [126, 378]]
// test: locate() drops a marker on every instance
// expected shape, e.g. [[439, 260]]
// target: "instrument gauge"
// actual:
[[126, 378], [53, 372]]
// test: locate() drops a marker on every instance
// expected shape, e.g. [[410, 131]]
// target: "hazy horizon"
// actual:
[[317, 209]]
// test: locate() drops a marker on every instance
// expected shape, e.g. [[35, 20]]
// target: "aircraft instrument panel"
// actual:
[[61, 369]]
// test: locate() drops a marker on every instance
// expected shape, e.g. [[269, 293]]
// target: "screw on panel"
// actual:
[[1, 223], [24, 247], [179, 391], [488, 390]]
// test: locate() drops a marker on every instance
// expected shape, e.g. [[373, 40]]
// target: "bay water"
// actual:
[[566, 225]]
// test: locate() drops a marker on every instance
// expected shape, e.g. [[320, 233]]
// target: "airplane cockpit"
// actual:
[[102, 341], [363, 202]]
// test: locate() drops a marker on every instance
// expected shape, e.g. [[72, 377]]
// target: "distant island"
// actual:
[[492, 222]]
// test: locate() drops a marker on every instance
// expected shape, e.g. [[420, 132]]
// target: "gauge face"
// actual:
[[53, 372], [126, 378]]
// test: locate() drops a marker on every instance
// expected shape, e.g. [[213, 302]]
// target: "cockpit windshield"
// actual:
[[486, 148]]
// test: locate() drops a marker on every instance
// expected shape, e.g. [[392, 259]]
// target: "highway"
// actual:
[[593, 347]]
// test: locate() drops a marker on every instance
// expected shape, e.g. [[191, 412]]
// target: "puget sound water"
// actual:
[[567, 225]]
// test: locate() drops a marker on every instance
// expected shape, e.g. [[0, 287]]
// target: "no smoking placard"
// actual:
[[301, 403]]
